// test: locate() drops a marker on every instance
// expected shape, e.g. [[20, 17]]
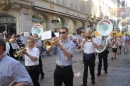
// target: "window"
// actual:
[[38, 18], [82, 6], [71, 27]]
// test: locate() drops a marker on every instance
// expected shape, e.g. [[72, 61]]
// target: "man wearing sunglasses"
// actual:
[[64, 50]]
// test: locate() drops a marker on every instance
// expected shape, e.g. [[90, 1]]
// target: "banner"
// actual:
[[120, 12], [127, 20]]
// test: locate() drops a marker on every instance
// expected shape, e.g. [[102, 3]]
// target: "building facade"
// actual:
[[21, 15]]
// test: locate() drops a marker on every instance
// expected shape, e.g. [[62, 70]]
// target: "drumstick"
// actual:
[[11, 84]]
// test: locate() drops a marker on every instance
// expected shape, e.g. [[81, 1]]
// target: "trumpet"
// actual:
[[16, 54], [49, 43], [37, 39], [88, 38]]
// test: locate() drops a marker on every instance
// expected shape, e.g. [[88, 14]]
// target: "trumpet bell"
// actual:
[[15, 54], [48, 44]]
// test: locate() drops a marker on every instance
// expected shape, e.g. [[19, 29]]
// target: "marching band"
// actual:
[[64, 46]]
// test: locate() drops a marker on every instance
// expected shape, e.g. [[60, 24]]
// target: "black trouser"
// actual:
[[91, 64], [63, 75], [40, 66], [103, 56], [34, 74]]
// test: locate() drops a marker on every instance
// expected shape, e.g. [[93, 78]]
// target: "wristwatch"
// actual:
[[62, 48]]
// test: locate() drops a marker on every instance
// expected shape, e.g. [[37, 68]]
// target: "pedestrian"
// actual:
[[115, 46], [125, 39], [120, 41]]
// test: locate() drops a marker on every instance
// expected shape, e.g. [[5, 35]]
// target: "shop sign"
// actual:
[[55, 21], [7, 20]]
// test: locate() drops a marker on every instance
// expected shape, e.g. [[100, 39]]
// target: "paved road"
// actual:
[[118, 71]]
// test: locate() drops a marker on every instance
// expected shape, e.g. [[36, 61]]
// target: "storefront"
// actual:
[[7, 23]]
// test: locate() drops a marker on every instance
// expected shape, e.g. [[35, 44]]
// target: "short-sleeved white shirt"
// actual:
[[34, 52], [88, 47], [7, 48]]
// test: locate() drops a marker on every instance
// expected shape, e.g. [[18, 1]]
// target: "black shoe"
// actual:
[[84, 85], [105, 71], [42, 76], [112, 58], [93, 81], [120, 52], [98, 74], [115, 57]]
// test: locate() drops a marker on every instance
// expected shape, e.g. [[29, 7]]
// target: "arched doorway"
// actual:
[[8, 23], [71, 27], [39, 18]]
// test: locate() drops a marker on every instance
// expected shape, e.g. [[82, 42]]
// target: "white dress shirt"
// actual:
[[22, 39], [34, 52], [7, 48], [11, 70], [62, 60], [88, 47]]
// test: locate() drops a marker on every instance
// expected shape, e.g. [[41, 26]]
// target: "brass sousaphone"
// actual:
[[104, 28]]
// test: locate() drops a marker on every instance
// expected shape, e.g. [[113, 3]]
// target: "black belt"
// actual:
[[62, 66], [32, 66], [89, 53]]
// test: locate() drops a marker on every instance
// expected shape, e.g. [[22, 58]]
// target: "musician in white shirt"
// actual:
[[22, 38], [32, 61], [7, 45], [38, 45], [103, 55], [89, 56]]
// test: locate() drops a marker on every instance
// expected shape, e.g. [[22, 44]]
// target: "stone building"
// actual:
[[20, 15]]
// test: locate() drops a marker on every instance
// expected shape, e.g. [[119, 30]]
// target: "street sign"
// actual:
[[55, 21]]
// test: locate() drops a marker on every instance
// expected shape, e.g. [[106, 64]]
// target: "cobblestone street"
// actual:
[[118, 71]]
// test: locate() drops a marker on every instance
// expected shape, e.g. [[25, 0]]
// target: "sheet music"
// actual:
[[57, 34], [26, 34], [14, 45], [46, 35]]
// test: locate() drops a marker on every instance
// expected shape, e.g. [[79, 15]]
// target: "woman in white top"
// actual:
[[115, 45]]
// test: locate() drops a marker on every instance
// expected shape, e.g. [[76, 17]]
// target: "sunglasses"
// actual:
[[62, 32]]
